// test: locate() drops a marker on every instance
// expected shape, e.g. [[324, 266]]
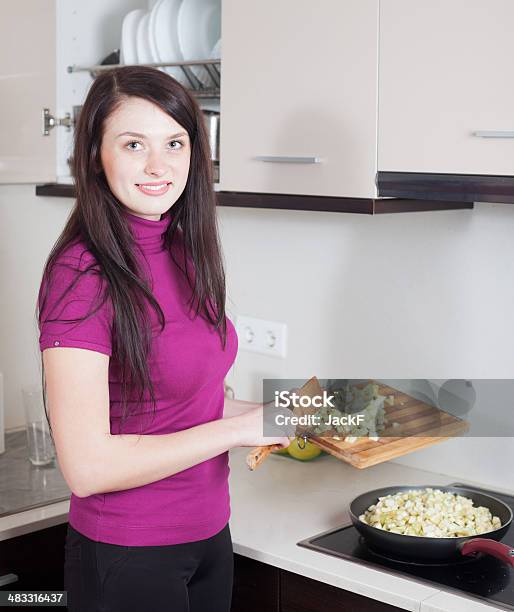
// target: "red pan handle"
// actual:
[[489, 547]]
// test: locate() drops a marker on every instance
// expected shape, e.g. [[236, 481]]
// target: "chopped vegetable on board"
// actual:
[[349, 399]]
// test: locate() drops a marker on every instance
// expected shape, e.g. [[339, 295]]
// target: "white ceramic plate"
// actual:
[[166, 38], [216, 54], [144, 53], [216, 51], [151, 27], [128, 36], [199, 28]]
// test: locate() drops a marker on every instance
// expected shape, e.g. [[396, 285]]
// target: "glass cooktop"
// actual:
[[485, 578]]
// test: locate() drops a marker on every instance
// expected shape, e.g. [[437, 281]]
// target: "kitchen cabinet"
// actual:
[[27, 85], [66, 37], [37, 559], [299, 97], [300, 594], [258, 586], [446, 118]]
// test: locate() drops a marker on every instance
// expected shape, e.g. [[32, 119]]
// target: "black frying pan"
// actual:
[[421, 548]]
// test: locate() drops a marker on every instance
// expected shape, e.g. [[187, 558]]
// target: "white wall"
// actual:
[[415, 295]]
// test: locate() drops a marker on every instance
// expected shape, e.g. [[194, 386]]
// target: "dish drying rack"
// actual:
[[212, 67]]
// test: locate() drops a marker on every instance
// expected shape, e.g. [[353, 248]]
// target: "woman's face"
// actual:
[[141, 144]]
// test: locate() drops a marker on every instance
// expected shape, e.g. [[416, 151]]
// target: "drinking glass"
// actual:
[[40, 445]]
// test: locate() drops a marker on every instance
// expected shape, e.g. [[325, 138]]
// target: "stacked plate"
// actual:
[[173, 31]]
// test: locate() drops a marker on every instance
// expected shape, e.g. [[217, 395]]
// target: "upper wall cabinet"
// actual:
[[299, 97], [36, 76], [27, 85], [446, 96]]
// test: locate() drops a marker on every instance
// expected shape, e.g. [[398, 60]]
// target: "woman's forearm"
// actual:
[[235, 407], [126, 461]]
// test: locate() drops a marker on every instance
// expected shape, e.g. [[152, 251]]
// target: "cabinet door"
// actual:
[[256, 586], [445, 74], [299, 84], [300, 594], [27, 85], [37, 558]]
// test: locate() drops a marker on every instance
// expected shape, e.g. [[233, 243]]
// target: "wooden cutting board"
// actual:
[[420, 425]]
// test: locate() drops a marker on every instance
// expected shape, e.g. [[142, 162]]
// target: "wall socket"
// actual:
[[260, 336]]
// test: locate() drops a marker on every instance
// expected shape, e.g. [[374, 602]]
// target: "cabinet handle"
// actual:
[[494, 134], [289, 159], [7, 579]]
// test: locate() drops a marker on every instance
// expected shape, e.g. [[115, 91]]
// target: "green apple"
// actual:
[[310, 451]]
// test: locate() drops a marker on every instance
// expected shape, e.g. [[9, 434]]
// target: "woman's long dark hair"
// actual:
[[97, 220]]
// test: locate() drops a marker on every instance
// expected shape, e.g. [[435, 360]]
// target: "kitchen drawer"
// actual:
[[300, 594]]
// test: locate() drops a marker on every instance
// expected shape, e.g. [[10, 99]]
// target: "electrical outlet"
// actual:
[[260, 336]]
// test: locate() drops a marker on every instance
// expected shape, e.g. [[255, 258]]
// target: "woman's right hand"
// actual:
[[248, 429]]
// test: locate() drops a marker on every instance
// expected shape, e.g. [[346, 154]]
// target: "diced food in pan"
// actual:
[[431, 513]]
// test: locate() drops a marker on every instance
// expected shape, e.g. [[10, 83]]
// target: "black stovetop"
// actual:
[[484, 578]]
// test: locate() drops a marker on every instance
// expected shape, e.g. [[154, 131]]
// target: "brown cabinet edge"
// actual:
[[280, 201], [444, 187]]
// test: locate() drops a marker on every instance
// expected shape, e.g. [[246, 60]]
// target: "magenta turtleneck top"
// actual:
[[187, 365]]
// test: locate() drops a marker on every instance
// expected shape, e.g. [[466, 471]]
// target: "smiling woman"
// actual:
[[154, 162], [136, 345]]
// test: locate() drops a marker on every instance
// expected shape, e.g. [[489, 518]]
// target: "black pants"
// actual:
[[190, 577]]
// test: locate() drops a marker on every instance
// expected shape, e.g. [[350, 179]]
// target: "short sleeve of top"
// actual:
[[74, 289]]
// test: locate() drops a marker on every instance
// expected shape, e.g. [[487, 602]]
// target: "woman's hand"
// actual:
[[248, 429]]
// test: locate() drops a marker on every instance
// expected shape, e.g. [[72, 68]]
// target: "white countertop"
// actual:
[[285, 501]]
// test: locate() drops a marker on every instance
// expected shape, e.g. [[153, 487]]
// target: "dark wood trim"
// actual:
[[401, 205], [58, 190], [366, 206], [280, 201], [456, 187]]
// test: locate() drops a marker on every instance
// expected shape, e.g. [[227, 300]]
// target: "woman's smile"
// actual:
[[153, 189]]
